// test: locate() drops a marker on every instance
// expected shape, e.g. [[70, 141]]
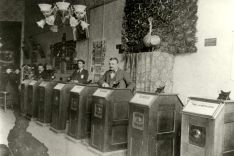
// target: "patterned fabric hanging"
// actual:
[[150, 70]]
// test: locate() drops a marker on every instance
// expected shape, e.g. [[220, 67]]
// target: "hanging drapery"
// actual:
[[150, 70], [98, 58], [131, 65]]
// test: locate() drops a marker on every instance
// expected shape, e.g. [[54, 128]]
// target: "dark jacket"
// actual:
[[43, 75], [81, 77], [16, 79], [121, 80]]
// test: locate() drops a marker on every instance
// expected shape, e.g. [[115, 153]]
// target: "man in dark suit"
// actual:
[[42, 75], [80, 75], [116, 77]]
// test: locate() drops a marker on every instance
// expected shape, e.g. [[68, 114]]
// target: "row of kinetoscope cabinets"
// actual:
[[145, 124]]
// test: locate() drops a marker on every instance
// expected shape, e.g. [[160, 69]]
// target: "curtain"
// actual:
[[151, 70], [131, 65]]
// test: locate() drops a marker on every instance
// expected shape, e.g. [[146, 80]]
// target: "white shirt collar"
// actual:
[[80, 70], [115, 70]]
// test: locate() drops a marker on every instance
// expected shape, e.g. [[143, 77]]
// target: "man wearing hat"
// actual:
[[80, 75]]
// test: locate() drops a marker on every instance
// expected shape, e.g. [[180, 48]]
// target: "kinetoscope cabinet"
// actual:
[[32, 107], [24, 97], [207, 128], [45, 93], [109, 120], [61, 93], [80, 111], [154, 125]]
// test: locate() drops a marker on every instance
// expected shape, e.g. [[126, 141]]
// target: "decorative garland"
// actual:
[[174, 21]]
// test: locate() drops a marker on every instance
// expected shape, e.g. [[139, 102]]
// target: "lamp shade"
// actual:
[[8, 71], [54, 28], [41, 23], [80, 15], [84, 25], [79, 8], [73, 22], [50, 20], [155, 40], [45, 7], [63, 6]]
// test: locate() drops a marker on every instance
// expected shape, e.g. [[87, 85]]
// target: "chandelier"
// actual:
[[76, 14]]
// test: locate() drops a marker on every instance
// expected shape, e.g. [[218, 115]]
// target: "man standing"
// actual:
[[116, 77], [16, 84], [80, 75]]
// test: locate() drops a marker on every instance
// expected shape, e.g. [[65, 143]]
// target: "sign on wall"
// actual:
[[210, 42]]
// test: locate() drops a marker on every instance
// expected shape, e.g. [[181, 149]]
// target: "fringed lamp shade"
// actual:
[[79, 8], [63, 6], [45, 7]]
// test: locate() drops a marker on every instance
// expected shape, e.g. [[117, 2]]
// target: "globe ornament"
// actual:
[[151, 40], [147, 40], [155, 40]]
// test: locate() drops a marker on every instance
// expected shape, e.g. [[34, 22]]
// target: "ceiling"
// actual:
[[88, 3]]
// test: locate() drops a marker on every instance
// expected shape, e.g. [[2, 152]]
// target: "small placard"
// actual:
[[201, 108], [32, 82], [144, 99], [138, 120], [102, 92], [77, 89], [210, 42], [43, 84], [25, 81], [59, 86], [98, 110]]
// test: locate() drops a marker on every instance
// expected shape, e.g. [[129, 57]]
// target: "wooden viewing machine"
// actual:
[[154, 125], [109, 119], [32, 107], [45, 94], [80, 111], [60, 102], [207, 128], [24, 97]]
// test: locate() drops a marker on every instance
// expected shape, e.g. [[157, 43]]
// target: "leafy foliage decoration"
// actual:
[[174, 22]]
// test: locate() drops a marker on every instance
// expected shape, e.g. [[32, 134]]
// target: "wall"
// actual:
[[106, 23], [13, 10], [206, 72], [48, 38]]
